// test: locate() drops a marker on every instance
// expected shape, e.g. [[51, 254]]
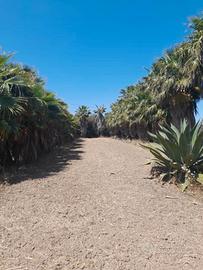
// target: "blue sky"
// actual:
[[88, 50]]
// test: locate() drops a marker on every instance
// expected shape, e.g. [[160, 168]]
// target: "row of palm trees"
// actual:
[[32, 119], [91, 124], [169, 92]]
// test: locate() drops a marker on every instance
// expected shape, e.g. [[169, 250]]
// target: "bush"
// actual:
[[179, 152]]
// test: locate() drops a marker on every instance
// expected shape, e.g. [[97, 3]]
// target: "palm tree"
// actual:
[[10, 76], [168, 83], [82, 114], [177, 77], [100, 120]]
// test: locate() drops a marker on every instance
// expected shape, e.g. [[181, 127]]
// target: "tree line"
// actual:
[[168, 94], [91, 124], [32, 120]]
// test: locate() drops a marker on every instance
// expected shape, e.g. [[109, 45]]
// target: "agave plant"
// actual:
[[179, 152]]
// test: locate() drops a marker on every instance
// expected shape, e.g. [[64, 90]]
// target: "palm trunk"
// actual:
[[142, 131], [181, 111], [84, 131], [133, 131], [100, 124], [83, 128]]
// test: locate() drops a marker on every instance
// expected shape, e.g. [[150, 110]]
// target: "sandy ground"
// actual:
[[93, 206]]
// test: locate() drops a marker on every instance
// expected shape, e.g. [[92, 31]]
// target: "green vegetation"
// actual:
[[100, 120], [135, 113], [32, 119], [165, 103], [82, 115], [91, 124], [179, 152], [168, 94]]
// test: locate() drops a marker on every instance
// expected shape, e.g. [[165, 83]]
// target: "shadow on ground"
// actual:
[[49, 164]]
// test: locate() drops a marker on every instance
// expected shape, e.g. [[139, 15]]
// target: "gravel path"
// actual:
[[94, 207]]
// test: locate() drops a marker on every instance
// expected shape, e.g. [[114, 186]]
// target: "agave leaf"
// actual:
[[196, 131], [165, 176], [183, 126], [185, 147], [176, 132], [153, 136], [185, 185], [159, 156], [170, 133], [197, 145], [169, 147]]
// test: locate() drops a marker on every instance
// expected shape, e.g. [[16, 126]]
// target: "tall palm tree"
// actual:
[[100, 120], [82, 114], [167, 81]]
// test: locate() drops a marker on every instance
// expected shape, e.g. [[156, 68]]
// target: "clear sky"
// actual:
[[87, 50]]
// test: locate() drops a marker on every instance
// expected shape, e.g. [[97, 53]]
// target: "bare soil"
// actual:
[[93, 206]]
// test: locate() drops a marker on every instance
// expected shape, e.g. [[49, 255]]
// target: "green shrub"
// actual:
[[179, 152]]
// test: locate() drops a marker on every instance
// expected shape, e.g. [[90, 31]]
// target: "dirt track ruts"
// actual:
[[94, 207]]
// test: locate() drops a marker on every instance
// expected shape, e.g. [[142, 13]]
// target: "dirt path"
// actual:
[[96, 209]]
